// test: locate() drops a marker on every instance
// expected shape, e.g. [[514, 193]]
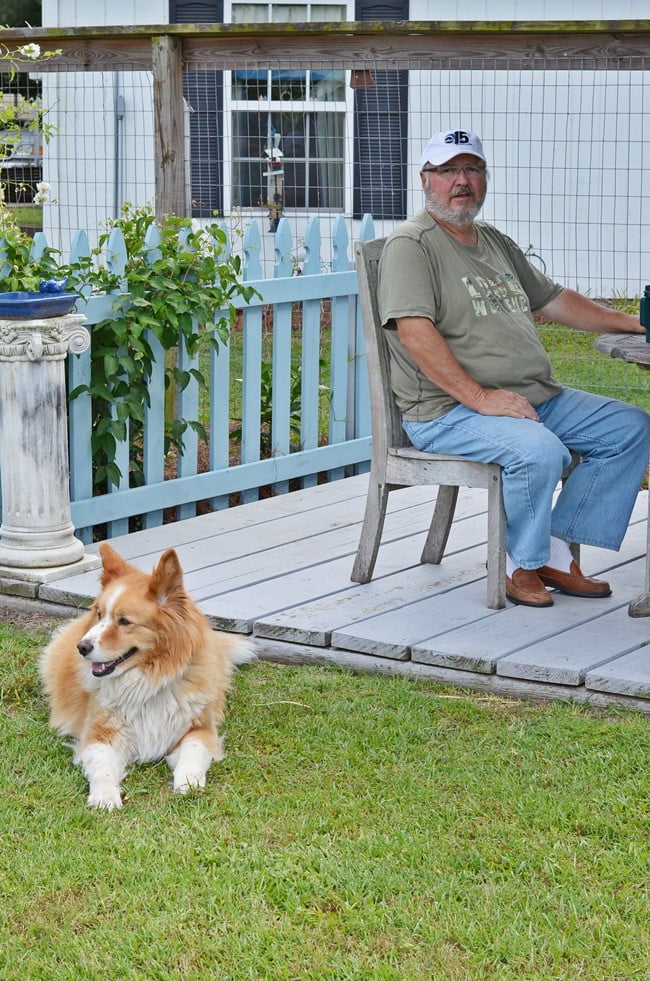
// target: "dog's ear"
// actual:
[[113, 564], [166, 582]]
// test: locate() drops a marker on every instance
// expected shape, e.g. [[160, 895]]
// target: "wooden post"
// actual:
[[169, 135]]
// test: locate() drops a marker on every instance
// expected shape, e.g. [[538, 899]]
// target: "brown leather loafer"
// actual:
[[527, 589], [573, 583]]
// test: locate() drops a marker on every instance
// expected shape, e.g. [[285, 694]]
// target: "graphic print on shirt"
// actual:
[[503, 294]]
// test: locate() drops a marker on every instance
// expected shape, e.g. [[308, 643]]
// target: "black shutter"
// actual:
[[381, 128], [204, 94], [196, 12]]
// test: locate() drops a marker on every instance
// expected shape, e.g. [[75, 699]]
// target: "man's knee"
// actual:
[[546, 455], [635, 423]]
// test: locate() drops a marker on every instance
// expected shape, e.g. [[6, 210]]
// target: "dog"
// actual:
[[140, 676]]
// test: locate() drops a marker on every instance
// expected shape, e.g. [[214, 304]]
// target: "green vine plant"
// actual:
[[18, 270], [14, 111], [186, 292], [266, 407]]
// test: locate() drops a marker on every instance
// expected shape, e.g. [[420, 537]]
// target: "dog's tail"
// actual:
[[241, 650]]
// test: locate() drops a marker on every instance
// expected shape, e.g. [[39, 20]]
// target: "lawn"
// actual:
[[576, 363], [360, 827]]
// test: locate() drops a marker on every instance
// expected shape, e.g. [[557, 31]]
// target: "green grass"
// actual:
[[27, 215], [359, 828], [578, 364]]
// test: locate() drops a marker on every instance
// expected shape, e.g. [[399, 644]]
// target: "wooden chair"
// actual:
[[396, 463]]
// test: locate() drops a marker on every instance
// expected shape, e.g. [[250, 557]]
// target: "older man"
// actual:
[[471, 377]]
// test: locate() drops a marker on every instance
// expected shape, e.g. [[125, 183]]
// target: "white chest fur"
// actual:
[[150, 721]]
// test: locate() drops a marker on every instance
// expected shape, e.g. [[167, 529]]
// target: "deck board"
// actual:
[[280, 569]]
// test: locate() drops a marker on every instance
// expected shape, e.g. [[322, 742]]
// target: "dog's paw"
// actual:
[[184, 782], [107, 799]]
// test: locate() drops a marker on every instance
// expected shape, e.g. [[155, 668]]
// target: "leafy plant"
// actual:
[[18, 269], [185, 285], [14, 111], [266, 407]]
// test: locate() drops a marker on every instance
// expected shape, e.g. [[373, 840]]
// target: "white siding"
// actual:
[[525, 10], [103, 155], [82, 13]]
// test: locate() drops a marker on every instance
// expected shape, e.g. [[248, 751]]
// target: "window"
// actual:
[[288, 126]]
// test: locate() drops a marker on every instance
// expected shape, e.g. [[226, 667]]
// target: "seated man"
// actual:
[[471, 378]]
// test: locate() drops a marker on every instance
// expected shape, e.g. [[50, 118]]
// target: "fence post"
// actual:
[[37, 532], [169, 114]]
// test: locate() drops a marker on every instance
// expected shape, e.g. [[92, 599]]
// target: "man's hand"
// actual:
[[433, 356], [501, 402]]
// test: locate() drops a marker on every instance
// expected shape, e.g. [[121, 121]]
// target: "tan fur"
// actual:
[[165, 697]]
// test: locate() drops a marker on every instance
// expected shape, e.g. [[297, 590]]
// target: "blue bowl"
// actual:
[[34, 306]]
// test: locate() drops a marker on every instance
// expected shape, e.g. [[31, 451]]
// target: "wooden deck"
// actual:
[[280, 569]]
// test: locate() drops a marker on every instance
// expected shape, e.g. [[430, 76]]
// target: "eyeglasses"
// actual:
[[449, 173]]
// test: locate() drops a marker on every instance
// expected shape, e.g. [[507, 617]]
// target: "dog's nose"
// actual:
[[84, 647]]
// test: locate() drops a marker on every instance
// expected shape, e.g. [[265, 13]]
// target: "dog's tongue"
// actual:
[[101, 668]]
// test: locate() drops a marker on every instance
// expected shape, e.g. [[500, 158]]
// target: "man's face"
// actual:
[[455, 191]]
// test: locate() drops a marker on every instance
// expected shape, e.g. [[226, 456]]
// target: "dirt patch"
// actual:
[[22, 614]]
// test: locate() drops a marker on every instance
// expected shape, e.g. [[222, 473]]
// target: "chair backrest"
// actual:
[[387, 428]]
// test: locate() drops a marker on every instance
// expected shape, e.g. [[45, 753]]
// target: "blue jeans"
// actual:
[[595, 503]]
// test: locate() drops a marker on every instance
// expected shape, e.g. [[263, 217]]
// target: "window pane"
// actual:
[[328, 86], [326, 156], [289, 13], [250, 13], [310, 171], [326, 11], [249, 139], [289, 86], [250, 85]]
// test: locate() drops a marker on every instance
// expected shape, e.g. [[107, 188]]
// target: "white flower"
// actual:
[[42, 195], [30, 51]]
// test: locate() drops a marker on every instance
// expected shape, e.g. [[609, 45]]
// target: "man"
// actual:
[[471, 377]]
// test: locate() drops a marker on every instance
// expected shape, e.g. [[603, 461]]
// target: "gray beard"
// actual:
[[457, 219]]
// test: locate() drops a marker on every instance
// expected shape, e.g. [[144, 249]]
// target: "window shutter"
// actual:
[[196, 12], [381, 129], [204, 94]]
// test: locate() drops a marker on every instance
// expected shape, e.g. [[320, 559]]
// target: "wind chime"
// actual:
[[274, 174]]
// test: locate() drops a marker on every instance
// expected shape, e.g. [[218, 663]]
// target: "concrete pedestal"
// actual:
[[36, 530]]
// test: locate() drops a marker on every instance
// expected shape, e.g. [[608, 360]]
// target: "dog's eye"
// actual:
[[123, 622]]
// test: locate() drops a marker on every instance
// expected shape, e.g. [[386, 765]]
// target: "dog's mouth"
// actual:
[[101, 669]]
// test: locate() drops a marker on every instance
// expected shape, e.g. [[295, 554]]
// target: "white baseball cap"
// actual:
[[443, 146]]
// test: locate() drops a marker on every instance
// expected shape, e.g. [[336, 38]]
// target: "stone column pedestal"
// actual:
[[36, 531]]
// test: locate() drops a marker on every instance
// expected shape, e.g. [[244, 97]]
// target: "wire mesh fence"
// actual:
[[567, 150]]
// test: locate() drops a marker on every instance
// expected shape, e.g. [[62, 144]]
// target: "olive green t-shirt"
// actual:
[[479, 298]]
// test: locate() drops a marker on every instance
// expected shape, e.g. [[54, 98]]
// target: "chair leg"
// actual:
[[373, 524], [496, 561], [443, 515], [575, 461]]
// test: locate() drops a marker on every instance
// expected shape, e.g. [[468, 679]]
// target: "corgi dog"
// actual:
[[140, 676]]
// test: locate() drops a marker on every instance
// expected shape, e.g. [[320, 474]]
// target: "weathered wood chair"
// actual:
[[396, 463]]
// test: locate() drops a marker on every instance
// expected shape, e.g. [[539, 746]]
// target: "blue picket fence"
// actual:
[[337, 449]]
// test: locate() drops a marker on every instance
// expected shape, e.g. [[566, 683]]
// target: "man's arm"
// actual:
[[575, 310], [434, 358]]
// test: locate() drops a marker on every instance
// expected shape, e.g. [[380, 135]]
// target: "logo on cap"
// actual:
[[458, 136]]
